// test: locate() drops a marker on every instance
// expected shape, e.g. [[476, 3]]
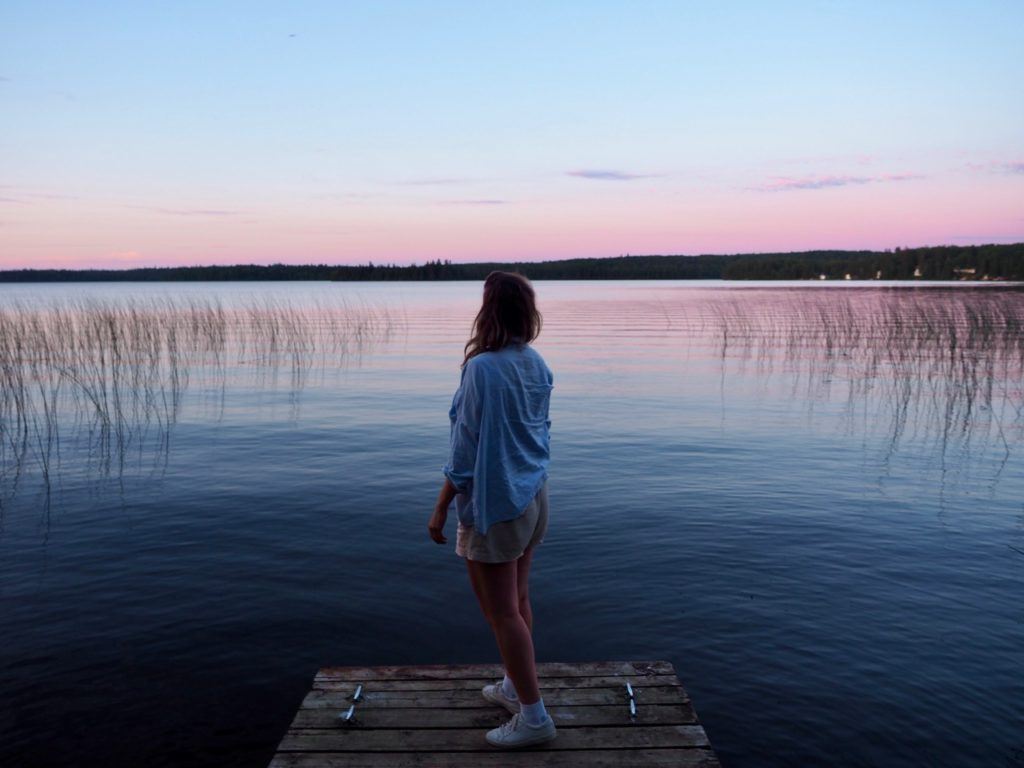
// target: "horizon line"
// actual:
[[448, 262]]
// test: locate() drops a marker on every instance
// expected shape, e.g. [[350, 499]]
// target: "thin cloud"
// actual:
[[476, 202], [196, 212], [437, 181], [820, 160], [816, 182], [343, 196], [187, 211], [899, 177], [598, 174], [51, 196], [23, 196], [998, 166], [786, 184]]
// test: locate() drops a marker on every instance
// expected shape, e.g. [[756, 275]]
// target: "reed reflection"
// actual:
[[941, 367], [98, 385]]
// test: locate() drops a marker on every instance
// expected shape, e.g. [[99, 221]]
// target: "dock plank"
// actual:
[[472, 739], [476, 683], [489, 717], [490, 671], [590, 758], [449, 699], [434, 715]]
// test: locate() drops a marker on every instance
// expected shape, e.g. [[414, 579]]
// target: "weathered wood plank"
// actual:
[[460, 699], [491, 671], [488, 716], [590, 758], [472, 739], [476, 683]]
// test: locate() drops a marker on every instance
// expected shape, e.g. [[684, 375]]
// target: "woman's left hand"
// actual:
[[444, 499], [436, 525]]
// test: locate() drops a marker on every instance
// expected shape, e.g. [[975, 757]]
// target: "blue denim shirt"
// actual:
[[500, 445]]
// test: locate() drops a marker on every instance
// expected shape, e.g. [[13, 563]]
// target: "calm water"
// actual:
[[809, 499]]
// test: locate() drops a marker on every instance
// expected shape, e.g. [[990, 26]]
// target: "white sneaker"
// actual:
[[519, 733], [495, 695]]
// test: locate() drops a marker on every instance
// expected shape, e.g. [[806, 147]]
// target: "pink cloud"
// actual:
[[51, 196], [187, 211], [343, 196], [196, 212], [23, 195], [998, 166], [476, 202], [438, 181], [787, 184], [608, 175]]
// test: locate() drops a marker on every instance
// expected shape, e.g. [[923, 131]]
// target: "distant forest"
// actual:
[[950, 262]]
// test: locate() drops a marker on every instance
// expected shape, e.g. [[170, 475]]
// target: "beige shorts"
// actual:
[[506, 541]]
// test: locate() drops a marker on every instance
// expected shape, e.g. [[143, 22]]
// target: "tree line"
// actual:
[[931, 263], [948, 262]]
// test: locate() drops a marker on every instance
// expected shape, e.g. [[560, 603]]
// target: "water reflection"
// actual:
[[102, 382], [945, 367]]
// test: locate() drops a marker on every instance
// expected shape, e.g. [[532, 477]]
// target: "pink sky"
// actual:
[[639, 216]]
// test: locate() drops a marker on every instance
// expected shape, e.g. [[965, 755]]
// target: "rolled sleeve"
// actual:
[[465, 430]]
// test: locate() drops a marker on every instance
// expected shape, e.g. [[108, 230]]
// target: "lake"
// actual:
[[809, 498]]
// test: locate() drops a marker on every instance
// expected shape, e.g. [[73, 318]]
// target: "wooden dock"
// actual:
[[435, 717]]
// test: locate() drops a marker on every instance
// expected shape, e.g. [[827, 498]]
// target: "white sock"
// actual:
[[508, 689], [534, 714]]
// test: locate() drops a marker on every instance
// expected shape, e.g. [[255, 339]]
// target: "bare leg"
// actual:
[[523, 587], [474, 579], [499, 597]]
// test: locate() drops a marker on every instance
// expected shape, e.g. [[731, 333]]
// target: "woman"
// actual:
[[497, 475]]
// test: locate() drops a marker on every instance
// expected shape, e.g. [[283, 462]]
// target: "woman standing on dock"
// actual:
[[497, 475]]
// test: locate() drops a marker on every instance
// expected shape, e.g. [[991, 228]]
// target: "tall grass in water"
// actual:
[[939, 366], [112, 373]]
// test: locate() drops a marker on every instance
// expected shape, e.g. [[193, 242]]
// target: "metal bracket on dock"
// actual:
[[349, 716], [632, 701]]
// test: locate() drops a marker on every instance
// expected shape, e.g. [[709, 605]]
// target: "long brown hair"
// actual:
[[508, 314]]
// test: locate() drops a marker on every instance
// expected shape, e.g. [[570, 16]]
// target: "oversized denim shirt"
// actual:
[[500, 445]]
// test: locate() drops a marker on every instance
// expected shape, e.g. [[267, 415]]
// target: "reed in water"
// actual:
[[111, 374], [940, 366]]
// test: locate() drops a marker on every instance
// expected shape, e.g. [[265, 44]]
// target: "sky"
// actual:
[[137, 134]]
